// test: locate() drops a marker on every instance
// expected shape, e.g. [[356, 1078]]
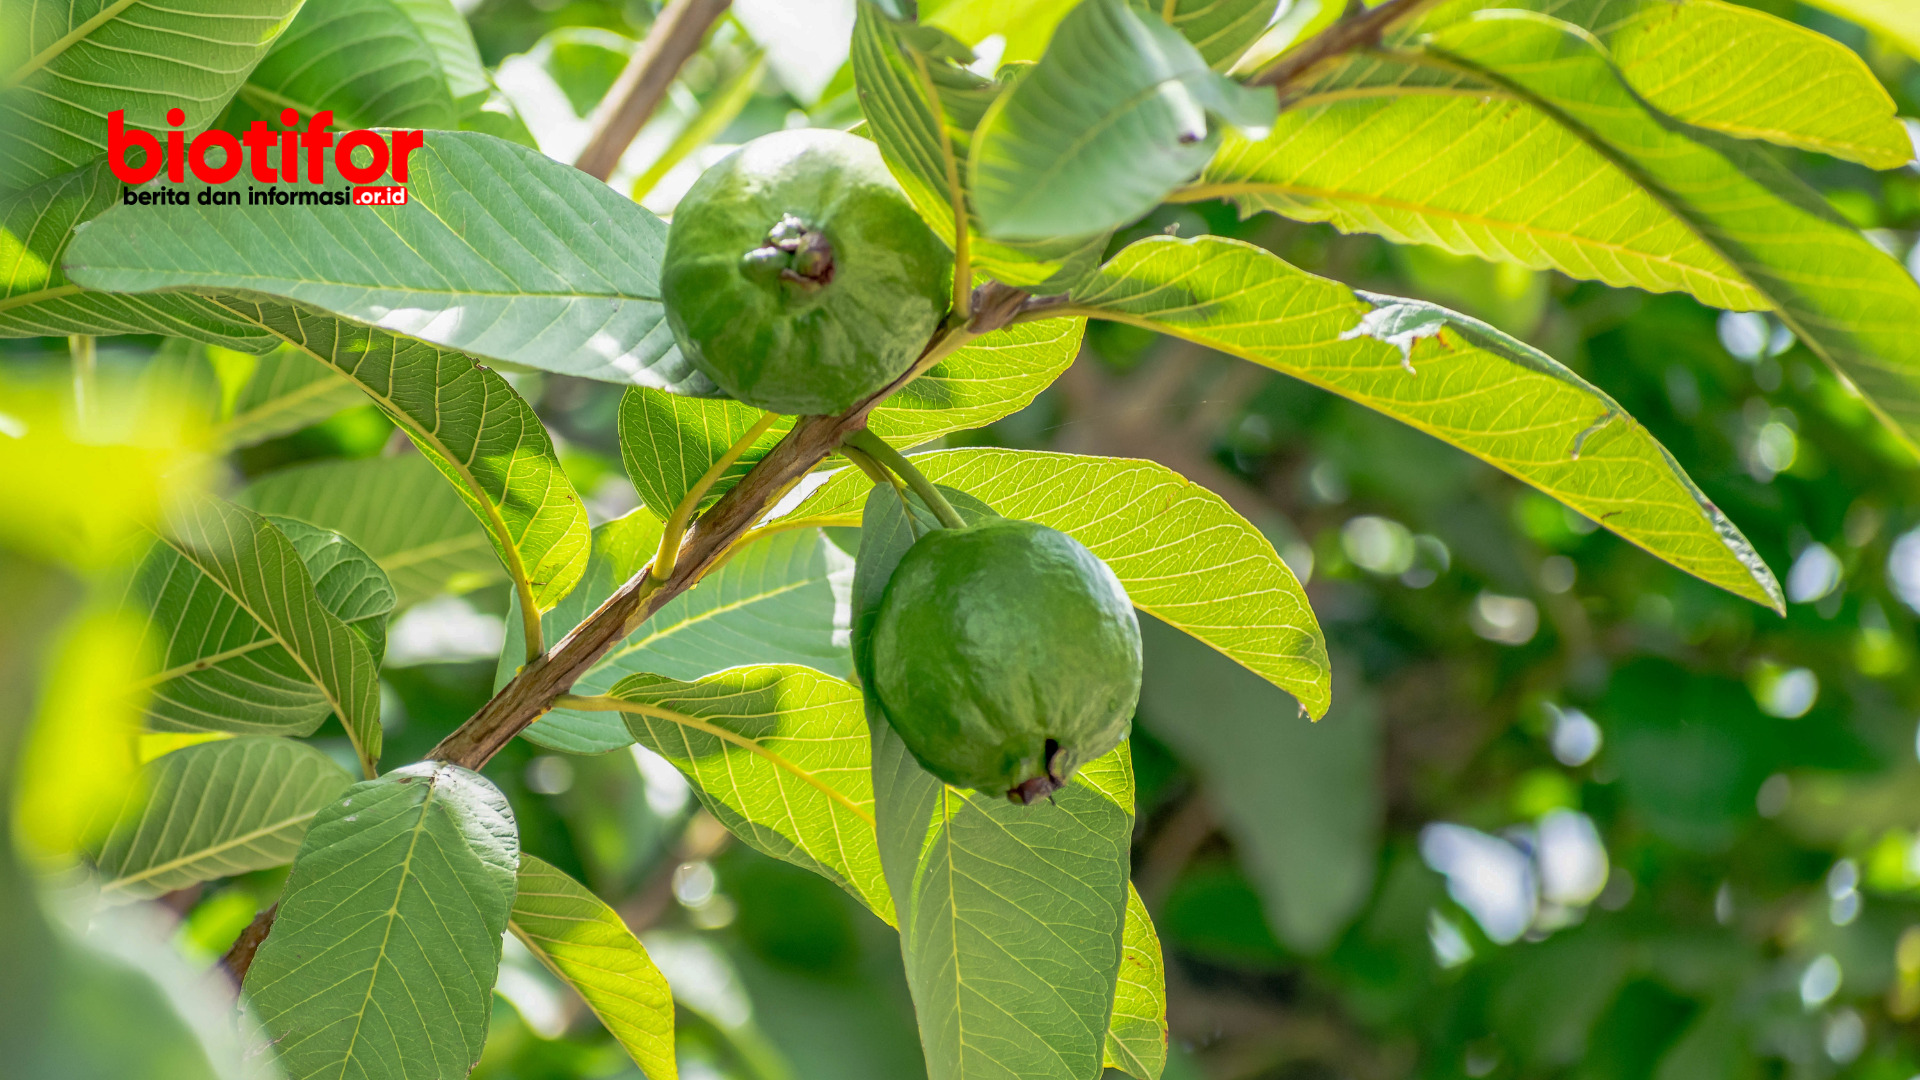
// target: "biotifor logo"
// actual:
[[269, 156]]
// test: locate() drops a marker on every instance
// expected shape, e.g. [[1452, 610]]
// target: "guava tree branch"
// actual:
[[1360, 28], [534, 689], [675, 36]]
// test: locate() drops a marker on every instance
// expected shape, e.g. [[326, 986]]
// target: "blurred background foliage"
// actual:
[[1574, 814]]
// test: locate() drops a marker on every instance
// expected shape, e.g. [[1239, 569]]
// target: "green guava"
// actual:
[[798, 277], [1006, 655]]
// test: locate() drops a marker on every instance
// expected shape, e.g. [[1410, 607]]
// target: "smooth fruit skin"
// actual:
[[994, 640], [798, 277]]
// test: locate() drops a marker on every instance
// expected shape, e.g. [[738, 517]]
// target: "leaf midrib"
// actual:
[[54, 51], [392, 917], [207, 852]]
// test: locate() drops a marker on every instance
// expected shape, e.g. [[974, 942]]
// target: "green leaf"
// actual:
[[1416, 148], [921, 108], [382, 960], [36, 298], [451, 40], [588, 946], [1004, 980], [285, 391], [399, 510], [774, 601], [500, 253], [1896, 19], [365, 60], [1181, 552], [1103, 127], [779, 754], [1682, 57], [1452, 377], [1220, 29], [1137, 1034], [668, 441], [246, 642], [63, 67], [212, 811], [468, 421], [1026, 24], [1848, 301], [1301, 801]]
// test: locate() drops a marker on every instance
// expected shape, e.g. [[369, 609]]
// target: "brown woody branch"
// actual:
[[675, 36], [533, 690], [1360, 28]]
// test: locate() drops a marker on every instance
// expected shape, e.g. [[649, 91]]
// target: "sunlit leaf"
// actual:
[[1442, 373], [585, 942], [1894, 18], [1181, 552], [212, 811], [1220, 29], [1850, 302], [1137, 1034], [780, 755]]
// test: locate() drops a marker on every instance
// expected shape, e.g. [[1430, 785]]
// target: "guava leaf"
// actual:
[[500, 253], [1851, 303], [1896, 19], [1445, 374], [468, 421], [1137, 1034], [63, 67], [1119, 111], [1681, 58], [214, 810], [1416, 147], [246, 641], [382, 960], [776, 600], [366, 60], [1001, 983], [287, 391], [779, 754], [921, 108], [668, 441], [1182, 553], [399, 510], [36, 299], [1220, 29], [589, 947]]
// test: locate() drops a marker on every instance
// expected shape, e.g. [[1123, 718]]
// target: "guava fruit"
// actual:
[[1006, 655], [798, 277]]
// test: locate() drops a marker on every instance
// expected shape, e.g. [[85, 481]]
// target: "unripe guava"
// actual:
[[798, 277], [1006, 655]]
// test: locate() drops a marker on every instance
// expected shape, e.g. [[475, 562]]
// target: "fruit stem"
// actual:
[[676, 529], [865, 440]]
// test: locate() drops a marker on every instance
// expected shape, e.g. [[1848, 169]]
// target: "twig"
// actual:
[[532, 692], [240, 957], [675, 36], [1359, 30]]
